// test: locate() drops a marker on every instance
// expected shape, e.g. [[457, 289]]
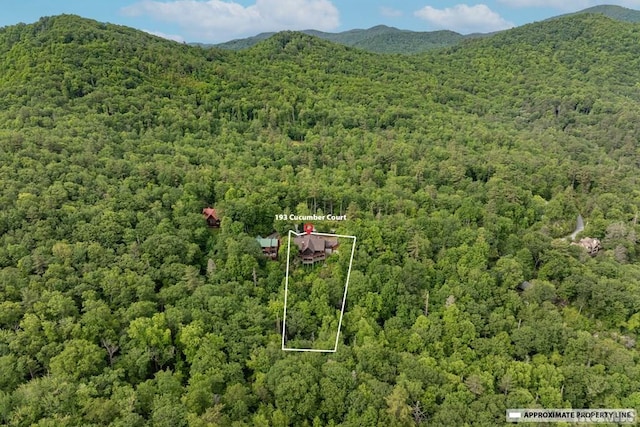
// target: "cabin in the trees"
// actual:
[[592, 246], [269, 245], [313, 248], [211, 216]]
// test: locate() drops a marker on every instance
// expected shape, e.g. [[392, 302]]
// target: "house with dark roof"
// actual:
[[211, 216], [313, 248], [269, 245]]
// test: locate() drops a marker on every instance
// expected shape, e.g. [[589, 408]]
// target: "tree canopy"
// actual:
[[461, 172]]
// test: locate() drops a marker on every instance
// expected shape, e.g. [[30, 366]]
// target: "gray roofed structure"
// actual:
[[313, 248]]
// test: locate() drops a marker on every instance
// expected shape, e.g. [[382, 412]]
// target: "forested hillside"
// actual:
[[461, 172]]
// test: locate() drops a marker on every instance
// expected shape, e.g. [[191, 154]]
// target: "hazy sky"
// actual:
[[222, 20]]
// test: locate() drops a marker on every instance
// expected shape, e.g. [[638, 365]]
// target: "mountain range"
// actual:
[[379, 39], [384, 39], [618, 13]]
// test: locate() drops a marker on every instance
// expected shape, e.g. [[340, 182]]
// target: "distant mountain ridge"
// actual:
[[618, 13], [385, 39], [379, 39]]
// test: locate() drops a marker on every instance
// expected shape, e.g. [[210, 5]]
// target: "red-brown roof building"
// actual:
[[211, 216]]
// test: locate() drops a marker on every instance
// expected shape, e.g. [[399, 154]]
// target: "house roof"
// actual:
[[330, 242], [267, 242], [315, 243], [308, 241], [524, 285], [210, 212]]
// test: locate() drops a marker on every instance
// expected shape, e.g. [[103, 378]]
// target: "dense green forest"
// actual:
[[461, 172]]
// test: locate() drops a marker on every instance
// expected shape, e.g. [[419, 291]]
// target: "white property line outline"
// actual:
[[344, 297]]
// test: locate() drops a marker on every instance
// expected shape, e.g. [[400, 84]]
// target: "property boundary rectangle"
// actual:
[[344, 297]]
